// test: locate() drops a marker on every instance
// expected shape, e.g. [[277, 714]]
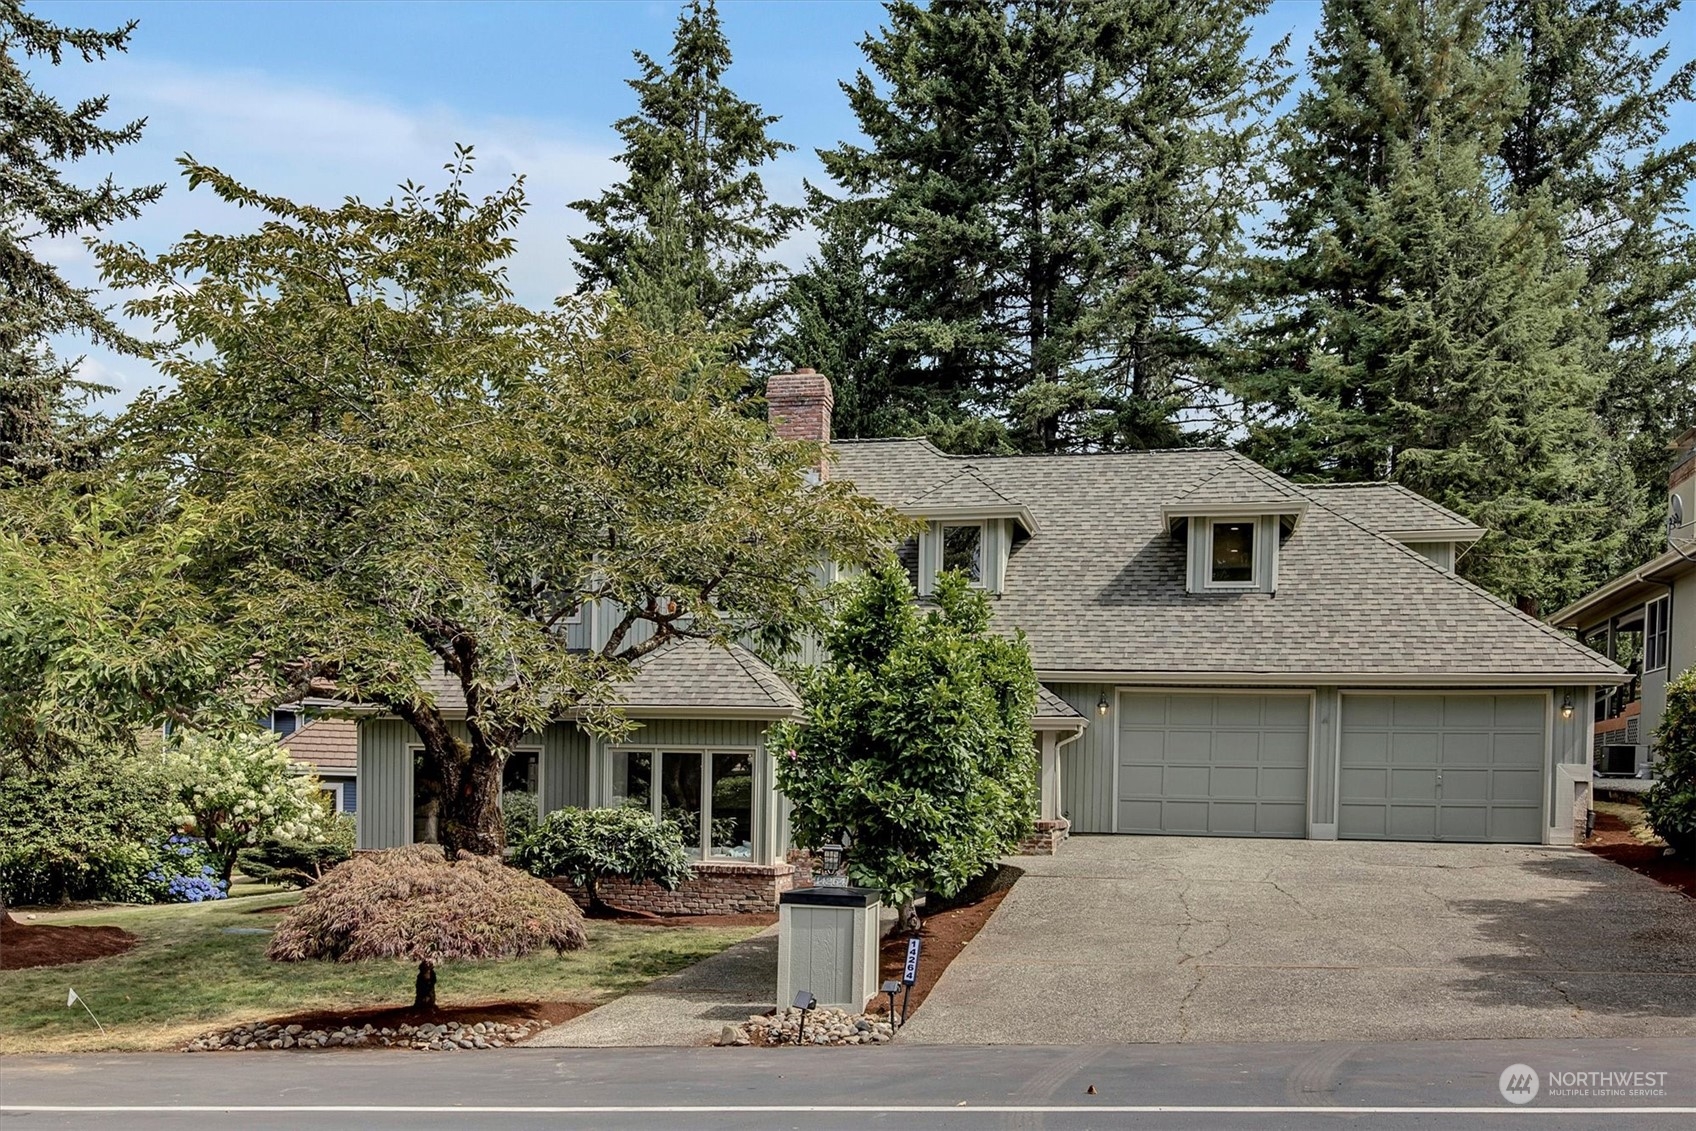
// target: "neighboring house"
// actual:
[[1645, 620], [1223, 651], [328, 747]]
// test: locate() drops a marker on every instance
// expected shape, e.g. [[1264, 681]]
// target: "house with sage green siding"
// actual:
[[1223, 652]]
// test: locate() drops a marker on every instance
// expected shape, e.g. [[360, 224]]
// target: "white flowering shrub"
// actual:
[[238, 789]]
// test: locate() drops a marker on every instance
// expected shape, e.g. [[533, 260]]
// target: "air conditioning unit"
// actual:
[[1618, 760]]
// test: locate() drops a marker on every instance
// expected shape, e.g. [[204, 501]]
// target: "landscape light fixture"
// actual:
[[1566, 706], [1102, 707], [804, 1001], [831, 872], [891, 987]]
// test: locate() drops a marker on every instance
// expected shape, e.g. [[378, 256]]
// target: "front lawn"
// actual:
[[189, 974]]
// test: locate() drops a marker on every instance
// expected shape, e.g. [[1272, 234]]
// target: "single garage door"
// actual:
[[1442, 767], [1213, 764]]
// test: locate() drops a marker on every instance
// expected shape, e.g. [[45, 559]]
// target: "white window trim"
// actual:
[[334, 789], [1664, 622], [1254, 579], [540, 762], [614, 796], [942, 529]]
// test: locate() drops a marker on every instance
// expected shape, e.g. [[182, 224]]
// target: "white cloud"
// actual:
[[317, 145]]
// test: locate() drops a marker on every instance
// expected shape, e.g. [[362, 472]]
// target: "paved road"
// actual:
[[1125, 939], [1425, 1085]]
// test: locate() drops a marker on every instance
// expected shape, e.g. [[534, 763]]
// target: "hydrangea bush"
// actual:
[[184, 874], [239, 789]]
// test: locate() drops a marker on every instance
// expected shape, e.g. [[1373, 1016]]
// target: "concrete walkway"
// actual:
[[689, 1007], [1126, 939]]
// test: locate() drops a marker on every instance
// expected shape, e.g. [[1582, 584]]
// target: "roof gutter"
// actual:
[[1339, 678], [1571, 616]]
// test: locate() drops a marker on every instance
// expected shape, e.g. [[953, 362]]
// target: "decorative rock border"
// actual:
[[824, 1027], [449, 1037]]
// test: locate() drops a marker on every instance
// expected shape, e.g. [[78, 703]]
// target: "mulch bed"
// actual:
[[943, 936], [24, 945], [503, 1012], [1613, 841]]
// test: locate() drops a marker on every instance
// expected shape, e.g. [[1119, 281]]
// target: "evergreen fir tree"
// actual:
[[1053, 186], [1591, 135], [41, 426], [686, 237], [1418, 329]]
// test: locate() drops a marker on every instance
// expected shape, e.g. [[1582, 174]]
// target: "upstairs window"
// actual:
[[1230, 553], [962, 549], [1657, 633]]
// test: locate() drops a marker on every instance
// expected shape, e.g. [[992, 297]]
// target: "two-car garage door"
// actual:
[[1409, 767]]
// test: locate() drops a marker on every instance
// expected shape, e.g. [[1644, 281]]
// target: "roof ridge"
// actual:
[[968, 470], [1467, 586], [760, 674]]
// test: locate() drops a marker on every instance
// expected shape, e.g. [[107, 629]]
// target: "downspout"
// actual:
[[1058, 777]]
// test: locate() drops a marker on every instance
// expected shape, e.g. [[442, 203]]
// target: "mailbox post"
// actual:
[[827, 944]]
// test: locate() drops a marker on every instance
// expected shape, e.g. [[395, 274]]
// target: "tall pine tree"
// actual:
[[1417, 328], [687, 236], [41, 426], [1600, 92], [1049, 192]]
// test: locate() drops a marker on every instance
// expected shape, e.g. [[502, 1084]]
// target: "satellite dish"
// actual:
[[1675, 517]]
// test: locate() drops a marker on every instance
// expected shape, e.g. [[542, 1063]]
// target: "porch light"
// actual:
[[831, 871], [1566, 706], [1102, 707]]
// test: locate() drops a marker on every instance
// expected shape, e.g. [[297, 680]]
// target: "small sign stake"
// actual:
[[909, 974], [75, 998]]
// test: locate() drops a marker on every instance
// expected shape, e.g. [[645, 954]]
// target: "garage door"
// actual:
[[1213, 765], [1442, 767]]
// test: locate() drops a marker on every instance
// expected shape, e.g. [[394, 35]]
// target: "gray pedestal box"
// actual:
[[827, 944]]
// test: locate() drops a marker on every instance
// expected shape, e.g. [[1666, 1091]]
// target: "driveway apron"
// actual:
[[1130, 939]]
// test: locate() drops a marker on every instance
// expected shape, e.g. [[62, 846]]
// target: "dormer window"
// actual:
[[1230, 554], [962, 549]]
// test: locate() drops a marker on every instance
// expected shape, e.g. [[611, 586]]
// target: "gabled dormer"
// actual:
[[970, 526], [1232, 524]]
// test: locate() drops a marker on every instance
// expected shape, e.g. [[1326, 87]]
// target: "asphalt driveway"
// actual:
[[1126, 939]]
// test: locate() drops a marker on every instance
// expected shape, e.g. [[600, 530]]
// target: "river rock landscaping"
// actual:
[[824, 1027], [449, 1037]]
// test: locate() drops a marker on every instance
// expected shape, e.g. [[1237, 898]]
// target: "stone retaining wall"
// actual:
[[717, 889]]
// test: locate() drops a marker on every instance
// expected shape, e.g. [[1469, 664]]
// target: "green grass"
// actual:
[[187, 975]]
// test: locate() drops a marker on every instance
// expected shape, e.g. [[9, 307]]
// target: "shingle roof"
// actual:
[[329, 746], [697, 675], [1236, 482], [1102, 588], [1054, 713], [1390, 508]]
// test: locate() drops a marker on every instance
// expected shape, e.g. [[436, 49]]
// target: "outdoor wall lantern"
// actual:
[[1102, 707], [832, 871], [1566, 706]]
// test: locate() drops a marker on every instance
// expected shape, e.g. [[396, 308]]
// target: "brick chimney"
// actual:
[[799, 405]]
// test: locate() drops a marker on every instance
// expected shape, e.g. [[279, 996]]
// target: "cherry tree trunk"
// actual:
[[424, 989]]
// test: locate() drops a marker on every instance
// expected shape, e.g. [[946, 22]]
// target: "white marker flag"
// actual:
[[74, 998]]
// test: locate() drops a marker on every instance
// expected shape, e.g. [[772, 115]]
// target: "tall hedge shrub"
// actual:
[[89, 827], [916, 740], [1671, 803]]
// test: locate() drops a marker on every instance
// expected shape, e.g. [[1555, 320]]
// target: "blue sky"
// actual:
[[321, 100]]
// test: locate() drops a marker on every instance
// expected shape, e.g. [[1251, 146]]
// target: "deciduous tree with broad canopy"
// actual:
[[387, 469], [916, 741]]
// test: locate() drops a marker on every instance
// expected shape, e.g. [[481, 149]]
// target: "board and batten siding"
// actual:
[[565, 768], [1086, 766], [1268, 536], [1570, 775], [385, 772], [1440, 554], [1322, 765]]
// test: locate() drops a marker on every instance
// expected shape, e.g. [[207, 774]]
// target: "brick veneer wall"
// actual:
[[1045, 838], [717, 889]]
